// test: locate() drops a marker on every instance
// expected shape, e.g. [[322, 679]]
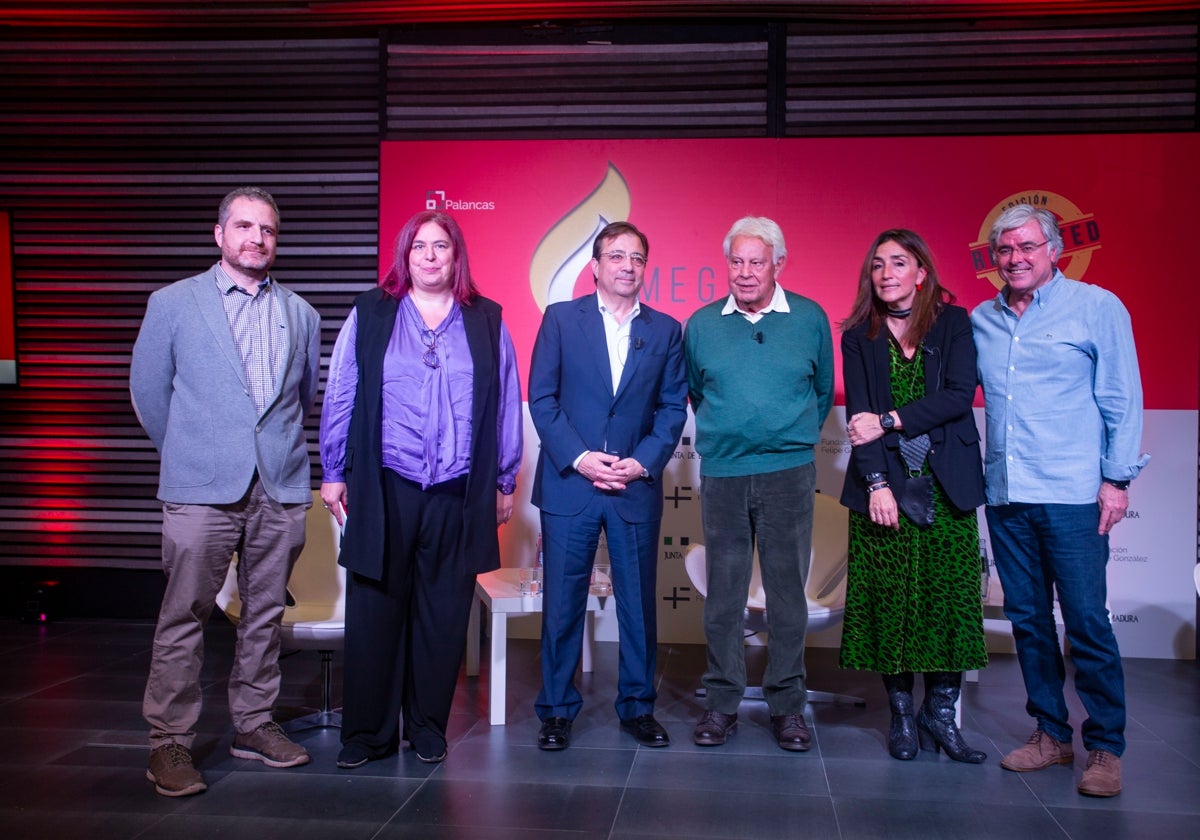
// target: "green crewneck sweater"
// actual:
[[759, 404]]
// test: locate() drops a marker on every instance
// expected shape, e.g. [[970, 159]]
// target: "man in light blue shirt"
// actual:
[[1063, 400]]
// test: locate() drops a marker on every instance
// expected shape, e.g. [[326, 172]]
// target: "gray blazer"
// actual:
[[191, 397]]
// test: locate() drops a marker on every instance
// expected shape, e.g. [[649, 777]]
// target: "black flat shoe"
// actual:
[[555, 734], [353, 755], [647, 731]]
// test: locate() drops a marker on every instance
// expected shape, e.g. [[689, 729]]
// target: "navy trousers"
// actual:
[[569, 549]]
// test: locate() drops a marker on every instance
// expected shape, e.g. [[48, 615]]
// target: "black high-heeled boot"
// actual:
[[902, 734], [935, 720]]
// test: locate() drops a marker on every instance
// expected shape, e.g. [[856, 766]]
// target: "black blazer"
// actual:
[[944, 413]]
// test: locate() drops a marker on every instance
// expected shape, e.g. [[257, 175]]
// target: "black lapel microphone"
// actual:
[[638, 344], [758, 336]]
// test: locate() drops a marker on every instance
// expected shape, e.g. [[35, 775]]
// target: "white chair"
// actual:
[[314, 616], [825, 588]]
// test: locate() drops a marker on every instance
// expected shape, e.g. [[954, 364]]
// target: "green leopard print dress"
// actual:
[[912, 596]]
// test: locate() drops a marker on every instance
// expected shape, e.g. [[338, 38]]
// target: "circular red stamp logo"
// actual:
[[1080, 233]]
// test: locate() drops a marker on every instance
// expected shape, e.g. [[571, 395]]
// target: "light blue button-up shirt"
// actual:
[[1062, 394]]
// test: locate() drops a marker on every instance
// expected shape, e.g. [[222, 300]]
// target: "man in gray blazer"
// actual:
[[224, 372]]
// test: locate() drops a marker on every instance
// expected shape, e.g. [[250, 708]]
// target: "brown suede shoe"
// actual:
[[1039, 752], [1102, 776], [172, 771], [270, 745]]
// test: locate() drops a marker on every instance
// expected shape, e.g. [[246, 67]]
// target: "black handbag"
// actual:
[[917, 501]]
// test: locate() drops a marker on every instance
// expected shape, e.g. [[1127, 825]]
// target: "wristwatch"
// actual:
[[1120, 485], [887, 421]]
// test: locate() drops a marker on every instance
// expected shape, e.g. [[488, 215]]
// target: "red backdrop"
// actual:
[[8, 338], [529, 210]]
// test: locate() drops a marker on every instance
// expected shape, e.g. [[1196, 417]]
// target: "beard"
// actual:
[[250, 260]]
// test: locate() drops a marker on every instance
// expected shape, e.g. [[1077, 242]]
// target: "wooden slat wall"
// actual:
[[115, 153], [999, 80], [588, 90]]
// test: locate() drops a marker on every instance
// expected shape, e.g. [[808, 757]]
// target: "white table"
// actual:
[[499, 592]]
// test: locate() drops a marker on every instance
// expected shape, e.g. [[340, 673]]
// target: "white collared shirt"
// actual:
[[616, 336], [778, 304]]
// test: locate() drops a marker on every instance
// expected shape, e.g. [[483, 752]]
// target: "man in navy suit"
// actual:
[[608, 395]]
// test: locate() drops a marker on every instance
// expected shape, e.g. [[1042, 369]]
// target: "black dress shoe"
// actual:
[[714, 728], [791, 732], [555, 734], [647, 731]]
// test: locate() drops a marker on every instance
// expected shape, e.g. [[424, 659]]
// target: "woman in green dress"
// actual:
[[912, 486]]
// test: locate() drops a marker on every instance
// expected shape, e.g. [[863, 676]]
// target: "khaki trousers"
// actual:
[[198, 545]]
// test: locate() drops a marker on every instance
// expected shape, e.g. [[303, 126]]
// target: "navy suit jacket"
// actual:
[[574, 409], [944, 413]]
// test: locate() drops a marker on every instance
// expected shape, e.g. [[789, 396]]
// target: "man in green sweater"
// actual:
[[760, 377]]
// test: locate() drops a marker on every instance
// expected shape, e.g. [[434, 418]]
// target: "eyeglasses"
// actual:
[[1026, 249], [618, 257], [430, 357]]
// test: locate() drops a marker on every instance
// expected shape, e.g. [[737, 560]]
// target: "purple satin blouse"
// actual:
[[427, 383]]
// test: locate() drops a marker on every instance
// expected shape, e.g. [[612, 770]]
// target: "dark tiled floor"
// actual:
[[72, 759]]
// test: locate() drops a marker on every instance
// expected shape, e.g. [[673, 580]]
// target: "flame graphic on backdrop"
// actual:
[[567, 247]]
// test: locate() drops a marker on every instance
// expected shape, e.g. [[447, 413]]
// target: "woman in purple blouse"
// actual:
[[420, 445]]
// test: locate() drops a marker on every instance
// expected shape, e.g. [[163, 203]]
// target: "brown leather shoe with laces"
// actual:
[[791, 732], [270, 745], [1102, 776], [1040, 751], [172, 771], [714, 728]]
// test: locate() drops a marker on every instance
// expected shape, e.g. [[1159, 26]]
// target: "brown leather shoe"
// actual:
[[791, 732], [270, 745], [1039, 752], [172, 771], [714, 728], [1102, 776]]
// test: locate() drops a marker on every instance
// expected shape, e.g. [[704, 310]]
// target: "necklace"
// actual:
[[899, 313]]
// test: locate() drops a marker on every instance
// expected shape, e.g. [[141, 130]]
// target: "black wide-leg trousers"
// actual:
[[406, 634]]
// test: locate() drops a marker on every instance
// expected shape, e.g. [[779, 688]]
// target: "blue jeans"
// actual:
[[1041, 548], [775, 512]]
